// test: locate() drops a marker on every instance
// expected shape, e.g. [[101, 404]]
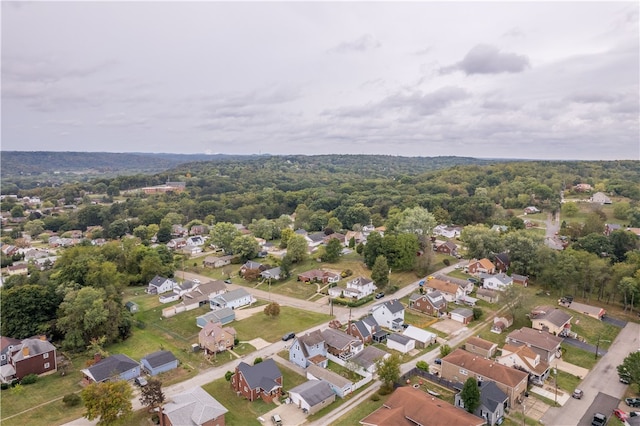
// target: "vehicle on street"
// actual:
[[632, 402], [438, 361], [577, 394], [620, 414], [195, 280], [276, 420], [380, 295], [599, 419], [227, 281], [634, 414], [141, 381], [288, 336]]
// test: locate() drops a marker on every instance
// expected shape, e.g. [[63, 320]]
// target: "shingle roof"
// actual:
[[233, 295], [536, 338], [403, 340], [481, 343], [491, 396], [463, 312], [262, 375], [336, 338], [445, 287], [314, 391], [555, 316], [35, 346], [486, 368], [328, 375], [193, 407], [368, 356], [159, 358], [418, 334], [110, 366]]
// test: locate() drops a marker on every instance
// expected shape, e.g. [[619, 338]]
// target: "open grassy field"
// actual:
[[272, 329]]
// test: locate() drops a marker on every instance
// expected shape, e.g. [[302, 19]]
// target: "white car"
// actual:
[[195, 280]]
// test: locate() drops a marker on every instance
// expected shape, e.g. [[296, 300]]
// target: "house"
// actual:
[[168, 298], [459, 365], [262, 380], [487, 295], [466, 300], [368, 357], [447, 247], [493, 402], [481, 347], [501, 323], [497, 282], [194, 407], [389, 314], [18, 269], [177, 243], [610, 227], [199, 230], [340, 385], [462, 315], [502, 261], [447, 231], [195, 241], [600, 198], [214, 338], [251, 266], [531, 210], [550, 319], [114, 367], [160, 285], [132, 307], [357, 236], [30, 356], [400, 343], [6, 345], [432, 303], [319, 276], [312, 396], [315, 239], [309, 349], [340, 344], [525, 359], [520, 279], [410, 406], [476, 267], [209, 289], [367, 330], [185, 287], [271, 274], [423, 338], [217, 262], [359, 287], [592, 311], [223, 316], [447, 289], [233, 299], [159, 362], [499, 228], [545, 344]]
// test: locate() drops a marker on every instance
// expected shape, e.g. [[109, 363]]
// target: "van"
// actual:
[[276, 420]]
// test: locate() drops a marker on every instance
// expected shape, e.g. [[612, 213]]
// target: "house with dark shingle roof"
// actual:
[[550, 319], [368, 357], [159, 362], [194, 407], [340, 385], [545, 344], [263, 380], [312, 396], [502, 261], [389, 314], [159, 285], [492, 402], [309, 349], [367, 330], [526, 359], [114, 367], [340, 344], [34, 355], [448, 247], [432, 303]]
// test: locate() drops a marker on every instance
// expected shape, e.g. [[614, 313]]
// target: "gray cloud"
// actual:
[[428, 103], [361, 44], [486, 59]]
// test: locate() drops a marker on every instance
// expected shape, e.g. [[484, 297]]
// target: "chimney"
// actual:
[[25, 351], [97, 358]]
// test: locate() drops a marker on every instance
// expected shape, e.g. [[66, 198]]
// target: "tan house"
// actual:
[[524, 358], [550, 319], [481, 347], [214, 338], [479, 266], [545, 344], [217, 262], [459, 365], [449, 290]]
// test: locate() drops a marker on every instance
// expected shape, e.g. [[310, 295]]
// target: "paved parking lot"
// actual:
[[602, 404]]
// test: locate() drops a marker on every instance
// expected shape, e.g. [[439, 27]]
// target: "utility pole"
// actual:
[[555, 371]]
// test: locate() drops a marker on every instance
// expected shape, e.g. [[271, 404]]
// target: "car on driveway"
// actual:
[[621, 415], [141, 381], [625, 379], [599, 419], [227, 281], [632, 402]]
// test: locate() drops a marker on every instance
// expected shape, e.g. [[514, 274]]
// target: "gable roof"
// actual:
[[486, 368], [486, 292], [34, 346], [368, 356], [232, 295], [485, 263], [463, 312], [262, 375], [503, 258], [159, 358], [337, 339], [399, 338], [504, 279], [481, 343], [328, 375], [536, 338], [157, 281], [418, 334], [442, 286], [193, 407], [555, 316], [393, 306], [312, 338], [109, 367], [314, 391], [5, 342], [491, 396], [212, 286]]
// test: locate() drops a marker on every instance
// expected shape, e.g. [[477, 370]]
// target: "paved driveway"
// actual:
[[448, 326], [290, 414]]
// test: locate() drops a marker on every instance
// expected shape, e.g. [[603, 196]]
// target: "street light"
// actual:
[[598, 345], [555, 371]]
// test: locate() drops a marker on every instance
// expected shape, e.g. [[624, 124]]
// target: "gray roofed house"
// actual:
[[118, 365], [194, 407], [232, 299], [400, 343], [262, 380], [545, 344], [222, 315], [312, 396], [550, 319], [492, 402], [309, 349], [337, 340], [389, 314], [340, 385], [368, 356], [462, 315], [159, 362], [273, 273]]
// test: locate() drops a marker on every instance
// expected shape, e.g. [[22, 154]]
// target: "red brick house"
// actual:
[[31, 356], [432, 303], [482, 265], [263, 380], [448, 247]]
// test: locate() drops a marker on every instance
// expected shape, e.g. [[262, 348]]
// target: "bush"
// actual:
[[422, 365], [227, 375], [258, 360], [375, 397], [141, 325], [346, 273], [29, 379], [236, 341], [477, 313], [352, 303], [446, 262], [4, 386], [71, 399]]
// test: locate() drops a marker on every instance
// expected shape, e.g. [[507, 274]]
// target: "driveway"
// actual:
[[614, 321], [290, 414], [584, 346], [448, 326]]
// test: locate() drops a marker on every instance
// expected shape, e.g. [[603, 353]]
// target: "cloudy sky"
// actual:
[[538, 80]]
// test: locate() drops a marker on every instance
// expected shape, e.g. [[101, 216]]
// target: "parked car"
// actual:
[[276, 420], [380, 295], [438, 361], [577, 394], [634, 414], [227, 281], [141, 381], [632, 402], [599, 419], [625, 379], [288, 336], [621, 415]]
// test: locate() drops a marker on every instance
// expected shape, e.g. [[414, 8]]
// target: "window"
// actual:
[[46, 365], [463, 372], [3, 357], [45, 355]]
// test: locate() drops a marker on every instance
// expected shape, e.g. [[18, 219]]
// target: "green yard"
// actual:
[[360, 411], [241, 411], [272, 329]]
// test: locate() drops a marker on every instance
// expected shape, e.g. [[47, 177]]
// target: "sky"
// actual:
[[532, 80]]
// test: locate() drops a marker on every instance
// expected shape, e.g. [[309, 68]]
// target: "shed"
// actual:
[[132, 307], [222, 315], [400, 343], [159, 362], [462, 315], [312, 396], [422, 337]]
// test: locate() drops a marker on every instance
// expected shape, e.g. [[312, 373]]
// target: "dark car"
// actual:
[[227, 281], [380, 295], [599, 419], [288, 336], [438, 361], [632, 402], [625, 379]]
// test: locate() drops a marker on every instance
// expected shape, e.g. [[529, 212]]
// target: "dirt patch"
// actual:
[[258, 343], [448, 326]]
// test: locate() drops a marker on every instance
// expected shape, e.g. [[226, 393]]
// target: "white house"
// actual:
[[233, 299], [168, 298], [159, 285], [356, 289], [389, 314], [496, 282], [447, 231], [400, 343], [423, 338]]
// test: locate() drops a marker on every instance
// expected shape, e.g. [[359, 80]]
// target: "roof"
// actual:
[[212, 286], [232, 295], [394, 306], [503, 258], [504, 279], [110, 366], [409, 406], [193, 407], [486, 368], [463, 312], [360, 281], [587, 309], [157, 281], [486, 263], [555, 316], [525, 354], [368, 356], [418, 334], [252, 265], [5, 342], [403, 340], [443, 286], [481, 343], [336, 338], [314, 392], [35, 346], [159, 358], [517, 277], [262, 375], [491, 396], [328, 375], [537, 338], [487, 292], [310, 339]]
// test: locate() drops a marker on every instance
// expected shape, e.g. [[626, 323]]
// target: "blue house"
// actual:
[[115, 367], [309, 349], [159, 362], [223, 316]]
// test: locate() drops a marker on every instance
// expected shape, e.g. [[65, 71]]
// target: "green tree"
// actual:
[[332, 251], [593, 224], [380, 272], [34, 227], [621, 210], [17, 211], [272, 310], [245, 246], [570, 209], [164, 232], [372, 249], [388, 370], [38, 303], [470, 395], [445, 350], [297, 248], [630, 368], [285, 235], [118, 228], [623, 242], [417, 221], [223, 234], [481, 241], [264, 228], [108, 401], [335, 224]]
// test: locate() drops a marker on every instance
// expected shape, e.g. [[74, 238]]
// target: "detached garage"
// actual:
[[462, 315], [312, 396], [400, 343]]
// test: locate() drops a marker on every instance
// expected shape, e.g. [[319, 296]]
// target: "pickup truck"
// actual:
[[599, 419]]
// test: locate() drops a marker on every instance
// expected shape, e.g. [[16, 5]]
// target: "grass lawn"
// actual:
[[337, 403], [143, 300], [290, 378], [578, 357], [241, 411], [49, 414], [244, 348], [418, 319], [271, 330], [360, 411], [567, 382], [182, 326]]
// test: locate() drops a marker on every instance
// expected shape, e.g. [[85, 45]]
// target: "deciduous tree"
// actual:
[[151, 395], [470, 395], [630, 368], [332, 251], [108, 401], [380, 272], [272, 310], [388, 370], [297, 248]]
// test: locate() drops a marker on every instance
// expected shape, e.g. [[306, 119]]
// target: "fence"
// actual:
[[454, 386]]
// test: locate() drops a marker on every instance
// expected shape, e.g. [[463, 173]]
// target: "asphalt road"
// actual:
[[585, 346]]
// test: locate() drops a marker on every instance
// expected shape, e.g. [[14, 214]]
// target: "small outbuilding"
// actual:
[[159, 362], [312, 396]]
